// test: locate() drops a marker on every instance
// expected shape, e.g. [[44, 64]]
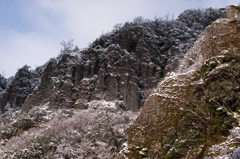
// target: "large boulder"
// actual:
[[155, 130]]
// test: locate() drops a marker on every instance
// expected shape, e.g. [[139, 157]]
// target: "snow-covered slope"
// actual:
[[97, 132]]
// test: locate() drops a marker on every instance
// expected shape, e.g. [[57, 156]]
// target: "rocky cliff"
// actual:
[[189, 112], [75, 105], [125, 64], [17, 90]]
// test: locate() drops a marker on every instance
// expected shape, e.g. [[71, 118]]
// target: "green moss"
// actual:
[[173, 155], [209, 66], [219, 97], [183, 113], [228, 57], [207, 114]]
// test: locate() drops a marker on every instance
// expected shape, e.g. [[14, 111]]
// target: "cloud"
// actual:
[[43, 24], [219, 3], [20, 49], [84, 21]]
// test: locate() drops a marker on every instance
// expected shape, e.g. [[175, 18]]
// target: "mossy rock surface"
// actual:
[[189, 112]]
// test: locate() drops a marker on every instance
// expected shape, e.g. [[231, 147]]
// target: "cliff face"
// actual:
[[76, 106], [19, 88], [125, 64], [233, 12], [189, 112], [112, 74], [221, 35], [154, 132]]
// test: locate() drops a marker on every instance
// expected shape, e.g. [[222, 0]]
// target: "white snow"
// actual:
[[78, 54], [224, 149]]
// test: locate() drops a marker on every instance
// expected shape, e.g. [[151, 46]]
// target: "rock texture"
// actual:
[[125, 64], [184, 117], [20, 87], [233, 12], [18, 90], [155, 130], [221, 35], [43, 96], [190, 111], [112, 74]]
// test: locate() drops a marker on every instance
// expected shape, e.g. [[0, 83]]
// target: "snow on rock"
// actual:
[[229, 149]]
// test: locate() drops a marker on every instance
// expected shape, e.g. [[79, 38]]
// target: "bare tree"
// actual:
[[67, 46]]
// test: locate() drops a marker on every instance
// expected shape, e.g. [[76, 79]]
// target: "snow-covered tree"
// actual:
[[67, 46]]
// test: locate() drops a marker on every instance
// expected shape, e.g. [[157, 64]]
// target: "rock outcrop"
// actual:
[[18, 90], [77, 108], [124, 65], [191, 111], [155, 130], [45, 86], [221, 35], [233, 12], [112, 74], [20, 87]]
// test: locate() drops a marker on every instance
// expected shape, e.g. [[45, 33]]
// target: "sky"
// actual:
[[31, 30]]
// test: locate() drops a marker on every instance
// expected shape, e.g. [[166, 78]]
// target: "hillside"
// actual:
[[119, 97], [125, 64], [189, 114]]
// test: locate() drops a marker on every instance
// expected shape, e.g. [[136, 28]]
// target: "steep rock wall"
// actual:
[[96, 74], [179, 118], [125, 64], [221, 35], [233, 12], [155, 130], [18, 90], [42, 93]]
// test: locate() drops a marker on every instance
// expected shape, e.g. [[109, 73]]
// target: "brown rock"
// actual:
[[155, 128], [221, 35], [44, 91], [233, 12]]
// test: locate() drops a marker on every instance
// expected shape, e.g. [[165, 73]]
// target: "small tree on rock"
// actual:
[[67, 46]]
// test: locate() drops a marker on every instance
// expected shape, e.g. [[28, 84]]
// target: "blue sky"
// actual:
[[31, 30]]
